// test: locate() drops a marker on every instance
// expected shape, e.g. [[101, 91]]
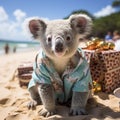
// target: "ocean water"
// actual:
[[19, 45]]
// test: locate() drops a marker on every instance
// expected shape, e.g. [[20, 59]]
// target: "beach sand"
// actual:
[[14, 99]]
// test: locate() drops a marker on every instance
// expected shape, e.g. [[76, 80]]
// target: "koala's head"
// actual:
[[60, 38]]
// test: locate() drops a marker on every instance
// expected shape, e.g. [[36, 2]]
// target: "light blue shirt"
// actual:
[[76, 79]]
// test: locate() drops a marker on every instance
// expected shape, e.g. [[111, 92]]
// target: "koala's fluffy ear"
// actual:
[[37, 27], [81, 23]]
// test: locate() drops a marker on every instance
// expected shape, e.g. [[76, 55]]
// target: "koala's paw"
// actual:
[[77, 111], [44, 112], [32, 104]]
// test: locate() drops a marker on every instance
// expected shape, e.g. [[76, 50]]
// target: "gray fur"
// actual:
[[48, 99], [79, 101], [50, 34], [36, 100]]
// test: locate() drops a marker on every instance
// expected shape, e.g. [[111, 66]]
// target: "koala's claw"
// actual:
[[77, 111], [32, 105], [46, 113]]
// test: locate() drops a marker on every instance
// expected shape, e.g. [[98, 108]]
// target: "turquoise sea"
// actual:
[[20, 46]]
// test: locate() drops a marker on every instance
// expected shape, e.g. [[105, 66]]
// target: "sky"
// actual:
[[13, 13]]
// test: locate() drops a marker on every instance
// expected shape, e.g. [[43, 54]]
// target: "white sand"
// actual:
[[13, 98]]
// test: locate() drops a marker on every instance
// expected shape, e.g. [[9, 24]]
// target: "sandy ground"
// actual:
[[14, 99]]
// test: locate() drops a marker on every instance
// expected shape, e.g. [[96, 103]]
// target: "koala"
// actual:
[[61, 72]]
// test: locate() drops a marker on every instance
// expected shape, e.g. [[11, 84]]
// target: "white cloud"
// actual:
[[19, 14], [105, 11], [3, 14], [12, 29]]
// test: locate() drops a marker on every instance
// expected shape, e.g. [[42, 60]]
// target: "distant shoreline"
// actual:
[[2, 52], [19, 41], [19, 46]]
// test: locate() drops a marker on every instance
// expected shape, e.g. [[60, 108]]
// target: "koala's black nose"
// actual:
[[59, 47]]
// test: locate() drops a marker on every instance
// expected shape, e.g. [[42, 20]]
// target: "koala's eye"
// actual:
[[49, 39], [68, 38]]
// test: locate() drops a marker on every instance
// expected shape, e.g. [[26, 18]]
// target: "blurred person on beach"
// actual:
[[117, 45], [116, 35], [116, 39], [108, 36], [6, 48], [14, 50]]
